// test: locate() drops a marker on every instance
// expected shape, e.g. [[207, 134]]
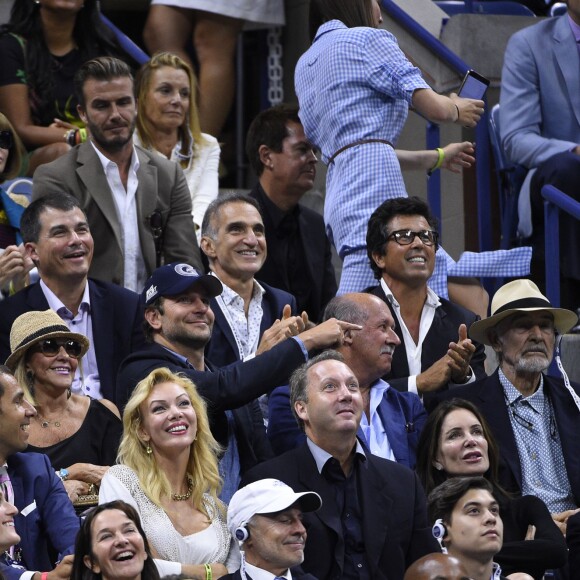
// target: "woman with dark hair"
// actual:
[[168, 123], [14, 265], [42, 46], [111, 545], [355, 87], [457, 441]]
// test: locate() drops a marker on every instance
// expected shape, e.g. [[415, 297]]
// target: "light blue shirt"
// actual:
[[86, 380]]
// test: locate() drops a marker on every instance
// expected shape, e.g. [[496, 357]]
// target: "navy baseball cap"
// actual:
[[176, 278]]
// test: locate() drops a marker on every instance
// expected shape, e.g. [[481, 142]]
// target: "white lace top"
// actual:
[[212, 545]]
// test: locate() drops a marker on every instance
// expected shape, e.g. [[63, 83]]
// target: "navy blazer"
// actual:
[[402, 415], [489, 397], [47, 523], [222, 349], [394, 513], [444, 329], [318, 267], [117, 319]]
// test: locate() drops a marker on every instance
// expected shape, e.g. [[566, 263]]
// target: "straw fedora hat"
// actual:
[[34, 326], [520, 296]]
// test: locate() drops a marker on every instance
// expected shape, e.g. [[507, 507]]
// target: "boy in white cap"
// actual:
[[266, 518]]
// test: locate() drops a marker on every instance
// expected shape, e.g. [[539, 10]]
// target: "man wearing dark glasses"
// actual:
[[58, 240], [434, 351]]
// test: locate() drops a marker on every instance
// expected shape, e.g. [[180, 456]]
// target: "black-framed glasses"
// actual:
[[6, 139], [406, 237], [52, 346]]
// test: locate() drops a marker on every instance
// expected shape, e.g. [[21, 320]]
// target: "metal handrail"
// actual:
[[554, 202], [482, 153]]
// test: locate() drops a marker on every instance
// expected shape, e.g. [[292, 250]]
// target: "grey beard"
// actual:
[[532, 365]]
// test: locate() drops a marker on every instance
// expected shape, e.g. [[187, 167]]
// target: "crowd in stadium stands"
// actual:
[[187, 391]]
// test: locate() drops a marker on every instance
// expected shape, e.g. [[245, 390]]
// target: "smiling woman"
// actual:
[[8, 535], [80, 435], [111, 545], [168, 472]]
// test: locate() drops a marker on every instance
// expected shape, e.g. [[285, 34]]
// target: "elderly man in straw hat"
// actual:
[[535, 417]]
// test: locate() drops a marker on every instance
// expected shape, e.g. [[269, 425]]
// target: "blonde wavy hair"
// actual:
[[190, 131], [202, 466]]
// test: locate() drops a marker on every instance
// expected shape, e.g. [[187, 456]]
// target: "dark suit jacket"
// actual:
[[162, 190], [318, 266], [402, 415], [222, 349], [296, 575], [49, 524], [444, 330], [488, 396], [117, 326], [232, 387], [394, 512]]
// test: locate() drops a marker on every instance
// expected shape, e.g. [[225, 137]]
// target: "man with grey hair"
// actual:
[[535, 417], [137, 202], [234, 241], [392, 420], [373, 520]]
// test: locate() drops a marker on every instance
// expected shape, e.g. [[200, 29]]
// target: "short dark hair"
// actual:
[[83, 544], [442, 500], [148, 331], [342, 308], [208, 227], [30, 221], [377, 232], [4, 370], [299, 379], [102, 68], [270, 128], [428, 446], [351, 13]]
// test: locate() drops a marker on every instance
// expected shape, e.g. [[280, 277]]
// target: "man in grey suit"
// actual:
[[137, 203], [540, 127]]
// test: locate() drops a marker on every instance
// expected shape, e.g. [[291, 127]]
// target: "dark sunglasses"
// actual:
[[6, 140], [52, 346], [406, 237]]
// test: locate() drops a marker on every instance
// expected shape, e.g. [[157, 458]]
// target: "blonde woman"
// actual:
[[168, 471], [168, 122]]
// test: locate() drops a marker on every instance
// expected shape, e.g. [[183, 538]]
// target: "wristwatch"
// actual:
[[63, 474]]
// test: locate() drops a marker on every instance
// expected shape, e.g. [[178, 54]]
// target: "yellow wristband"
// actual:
[[208, 572], [440, 159]]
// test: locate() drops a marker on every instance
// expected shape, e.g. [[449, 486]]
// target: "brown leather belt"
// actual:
[[355, 143]]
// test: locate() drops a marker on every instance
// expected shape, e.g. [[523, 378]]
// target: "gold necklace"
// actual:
[[184, 496], [45, 423]]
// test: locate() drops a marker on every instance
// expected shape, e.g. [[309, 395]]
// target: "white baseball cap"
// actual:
[[267, 496]]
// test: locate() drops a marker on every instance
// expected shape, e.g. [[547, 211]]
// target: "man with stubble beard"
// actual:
[[137, 203]]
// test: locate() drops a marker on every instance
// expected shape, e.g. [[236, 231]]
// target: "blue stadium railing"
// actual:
[[482, 152], [555, 201], [126, 43]]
